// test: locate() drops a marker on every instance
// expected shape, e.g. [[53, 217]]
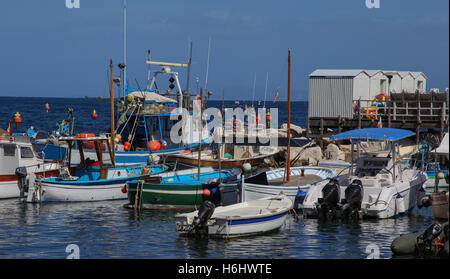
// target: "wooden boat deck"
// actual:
[[296, 180]]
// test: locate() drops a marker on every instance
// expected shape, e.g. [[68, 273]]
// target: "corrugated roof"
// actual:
[[335, 73], [355, 72]]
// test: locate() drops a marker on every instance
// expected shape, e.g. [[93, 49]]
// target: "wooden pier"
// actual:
[[411, 111]]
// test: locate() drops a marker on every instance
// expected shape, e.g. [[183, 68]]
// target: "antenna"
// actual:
[[207, 65]]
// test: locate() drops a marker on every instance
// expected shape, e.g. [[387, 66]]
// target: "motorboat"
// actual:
[[18, 161], [378, 188], [238, 220]]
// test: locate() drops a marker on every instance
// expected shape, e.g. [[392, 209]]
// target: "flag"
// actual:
[[10, 131], [276, 96]]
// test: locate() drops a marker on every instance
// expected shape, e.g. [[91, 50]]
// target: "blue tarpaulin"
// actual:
[[374, 134]]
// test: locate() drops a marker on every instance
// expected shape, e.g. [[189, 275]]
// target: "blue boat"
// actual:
[[90, 179]]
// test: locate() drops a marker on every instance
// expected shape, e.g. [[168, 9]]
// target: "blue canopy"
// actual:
[[374, 134]]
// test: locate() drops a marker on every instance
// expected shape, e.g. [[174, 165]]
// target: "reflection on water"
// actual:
[[107, 230]]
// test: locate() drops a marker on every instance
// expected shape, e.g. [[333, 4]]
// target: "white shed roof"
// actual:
[[355, 72], [336, 73]]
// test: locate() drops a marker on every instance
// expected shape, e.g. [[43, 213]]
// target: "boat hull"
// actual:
[[224, 228], [54, 192], [9, 188], [258, 191], [162, 196]]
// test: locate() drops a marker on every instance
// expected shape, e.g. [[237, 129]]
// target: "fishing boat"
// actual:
[[378, 188], [255, 156], [17, 152], [238, 220], [92, 179], [270, 183], [180, 189], [144, 121]]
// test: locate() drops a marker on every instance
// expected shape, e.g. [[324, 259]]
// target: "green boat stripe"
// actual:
[[198, 192]]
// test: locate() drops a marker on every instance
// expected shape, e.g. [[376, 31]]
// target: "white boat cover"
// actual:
[[443, 147], [152, 96]]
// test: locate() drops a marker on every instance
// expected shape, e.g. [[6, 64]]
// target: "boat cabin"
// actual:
[[16, 151]]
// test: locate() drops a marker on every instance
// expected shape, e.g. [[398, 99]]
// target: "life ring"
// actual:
[[84, 135]]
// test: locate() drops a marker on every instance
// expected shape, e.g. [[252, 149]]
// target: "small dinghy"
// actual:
[[238, 220]]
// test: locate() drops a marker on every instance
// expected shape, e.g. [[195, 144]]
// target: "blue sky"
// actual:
[[49, 50]]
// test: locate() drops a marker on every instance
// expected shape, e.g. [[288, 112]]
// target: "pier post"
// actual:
[[359, 114], [418, 121]]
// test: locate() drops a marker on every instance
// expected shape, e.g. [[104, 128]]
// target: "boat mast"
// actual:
[[207, 66], [112, 114], [125, 47], [288, 162], [188, 91], [254, 87], [265, 90], [200, 134]]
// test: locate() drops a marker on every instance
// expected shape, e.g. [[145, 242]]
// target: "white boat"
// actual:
[[271, 183], [237, 220], [378, 188], [15, 152], [90, 180]]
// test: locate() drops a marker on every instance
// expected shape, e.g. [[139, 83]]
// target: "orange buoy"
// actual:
[[154, 145], [126, 146], [258, 119], [206, 192], [145, 171], [94, 114], [47, 108], [17, 119]]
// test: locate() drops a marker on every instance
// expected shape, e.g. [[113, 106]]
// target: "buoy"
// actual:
[[126, 146], [154, 145], [17, 119], [145, 171], [187, 151], [258, 119], [117, 138], [47, 108], [303, 172], [206, 192], [245, 107], [247, 167], [94, 114], [124, 189], [164, 144], [268, 119]]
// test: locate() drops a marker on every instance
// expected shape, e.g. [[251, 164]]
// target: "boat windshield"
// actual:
[[371, 166]]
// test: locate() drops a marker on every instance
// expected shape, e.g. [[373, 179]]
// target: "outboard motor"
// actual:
[[21, 172], [353, 199], [428, 242], [205, 212], [328, 205]]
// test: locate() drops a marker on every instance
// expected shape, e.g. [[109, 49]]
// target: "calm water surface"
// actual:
[[107, 230]]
